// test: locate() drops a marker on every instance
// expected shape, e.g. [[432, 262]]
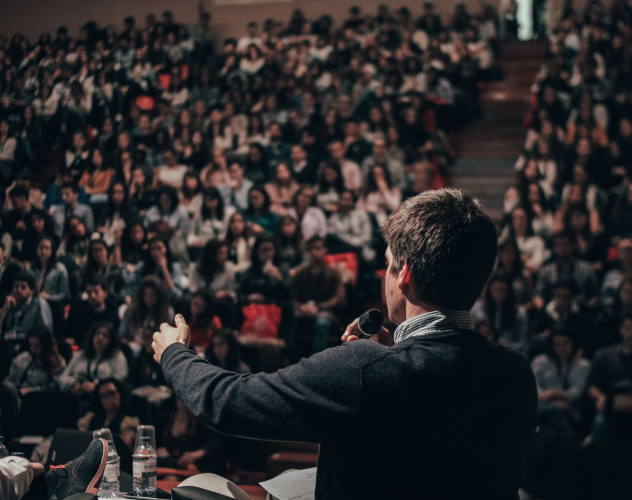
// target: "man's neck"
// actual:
[[71, 205], [417, 308], [316, 266]]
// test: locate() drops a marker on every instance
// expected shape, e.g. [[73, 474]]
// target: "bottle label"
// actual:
[[145, 468], [111, 474]]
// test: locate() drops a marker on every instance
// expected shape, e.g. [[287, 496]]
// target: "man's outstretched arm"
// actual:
[[313, 401]]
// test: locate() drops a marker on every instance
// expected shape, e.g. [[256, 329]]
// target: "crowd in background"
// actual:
[[562, 290], [147, 172]]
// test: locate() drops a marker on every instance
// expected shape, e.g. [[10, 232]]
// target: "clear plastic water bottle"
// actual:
[[3, 449], [144, 468], [110, 482]]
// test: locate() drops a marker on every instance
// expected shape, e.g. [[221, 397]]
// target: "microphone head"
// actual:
[[370, 322]]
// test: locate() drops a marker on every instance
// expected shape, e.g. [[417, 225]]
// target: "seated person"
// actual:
[[259, 218], [318, 293], [51, 277], [70, 207], [500, 308], [111, 410], [99, 266], [263, 281], [561, 377], [563, 311], [101, 358], [182, 440], [149, 309], [213, 271], [97, 309], [611, 373], [38, 368], [565, 267], [201, 318], [158, 262], [223, 351], [350, 229], [22, 311]]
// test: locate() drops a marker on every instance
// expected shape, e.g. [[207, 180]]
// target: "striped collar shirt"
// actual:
[[433, 322]]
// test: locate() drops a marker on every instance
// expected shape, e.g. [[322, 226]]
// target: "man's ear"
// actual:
[[404, 278]]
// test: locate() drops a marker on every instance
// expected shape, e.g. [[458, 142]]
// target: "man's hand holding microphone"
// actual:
[[369, 326]]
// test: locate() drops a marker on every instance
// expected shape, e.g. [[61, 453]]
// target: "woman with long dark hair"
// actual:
[[191, 193], [281, 188], [256, 165], [51, 277], [330, 186], [259, 218], [290, 242], [38, 368], [202, 320], [116, 214], [96, 178], [41, 225], [133, 244], [168, 209], [223, 351], [499, 307], [74, 242], [510, 263], [561, 377], [531, 246], [213, 271], [110, 408], [211, 222], [141, 195], [149, 309], [239, 246], [263, 281], [158, 262], [101, 358]]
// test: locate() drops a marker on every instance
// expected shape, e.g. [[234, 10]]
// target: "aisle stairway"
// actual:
[[487, 149]]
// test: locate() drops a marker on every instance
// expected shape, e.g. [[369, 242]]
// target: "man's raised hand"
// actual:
[[170, 335]]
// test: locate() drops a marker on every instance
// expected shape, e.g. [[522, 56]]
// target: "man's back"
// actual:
[[446, 415]]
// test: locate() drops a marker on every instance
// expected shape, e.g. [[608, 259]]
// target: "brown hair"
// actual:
[[449, 244]]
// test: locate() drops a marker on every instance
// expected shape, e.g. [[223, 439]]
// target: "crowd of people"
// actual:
[[215, 182], [562, 290]]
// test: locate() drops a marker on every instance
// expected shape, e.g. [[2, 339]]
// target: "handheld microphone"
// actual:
[[369, 324]]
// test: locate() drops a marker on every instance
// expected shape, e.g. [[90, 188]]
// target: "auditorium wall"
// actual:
[[32, 17]]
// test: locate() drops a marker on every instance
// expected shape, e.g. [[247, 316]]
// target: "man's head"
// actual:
[[379, 149], [441, 251], [563, 294], [624, 249], [346, 201], [562, 245], [20, 197], [23, 287], [70, 194], [317, 250], [298, 153], [97, 291], [336, 150]]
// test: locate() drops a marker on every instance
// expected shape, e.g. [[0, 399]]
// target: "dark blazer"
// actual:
[[446, 415]]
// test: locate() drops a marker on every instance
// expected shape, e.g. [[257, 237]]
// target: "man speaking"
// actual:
[[434, 412]]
